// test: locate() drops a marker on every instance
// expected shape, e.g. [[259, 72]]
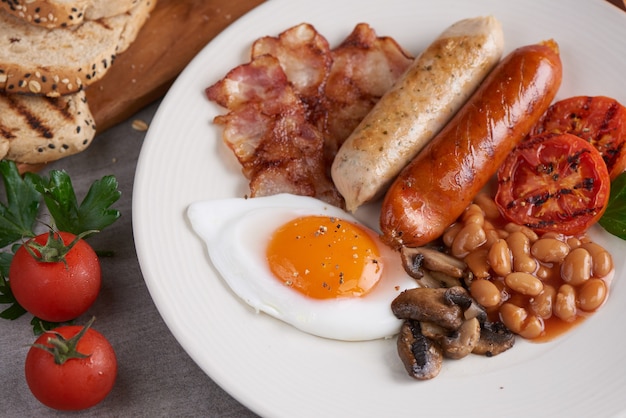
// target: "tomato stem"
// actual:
[[65, 349], [54, 250]]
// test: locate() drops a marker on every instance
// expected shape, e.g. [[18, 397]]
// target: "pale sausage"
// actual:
[[419, 104]]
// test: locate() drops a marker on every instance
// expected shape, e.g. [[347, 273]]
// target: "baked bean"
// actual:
[[492, 236], [576, 267], [518, 320], [565, 303], [515, 298], [473, 215], [477, 263], [503, 234], [512, 227], [602, 262], [488, 206], [573, 242], [551, 234], [549, 250], [543, 272], [513, 316], [485, 293], [592, 295], [470, 237], [451, 232], [519, 244], [499, 258], [532, 327], [542, 304], [524, 283]]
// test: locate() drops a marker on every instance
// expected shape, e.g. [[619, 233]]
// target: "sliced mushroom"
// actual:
[[428, 305], [422, 358], [439, 279], [433, 268], [463, 341], [476, 310], [433, 331], [446, 307], [454, 344], [495, 338], [471, 309]]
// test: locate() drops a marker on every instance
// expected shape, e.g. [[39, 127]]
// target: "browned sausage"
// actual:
[[433, 190]]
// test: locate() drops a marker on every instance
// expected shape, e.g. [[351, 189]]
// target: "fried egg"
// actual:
[[302, 261]]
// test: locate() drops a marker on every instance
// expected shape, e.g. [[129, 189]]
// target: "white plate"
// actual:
[[280, 372]]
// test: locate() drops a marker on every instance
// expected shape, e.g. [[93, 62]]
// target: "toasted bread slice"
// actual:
[[38, 129], [65, 13], [55, 62]]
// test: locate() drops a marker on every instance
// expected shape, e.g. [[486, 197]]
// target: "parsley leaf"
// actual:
[[5, 260], [17, 216], [14, 310], [40, 326], [614, 218], [93, 213]]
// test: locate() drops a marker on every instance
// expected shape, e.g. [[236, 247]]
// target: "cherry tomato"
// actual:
[[82, 380], [553, 182], [598, 119], [59, 290]]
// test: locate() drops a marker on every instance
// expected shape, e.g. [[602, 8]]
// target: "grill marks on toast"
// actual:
[[6, 133], [33, 119], [36, 129]]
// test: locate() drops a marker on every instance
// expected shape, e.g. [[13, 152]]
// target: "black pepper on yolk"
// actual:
[[324, 257]]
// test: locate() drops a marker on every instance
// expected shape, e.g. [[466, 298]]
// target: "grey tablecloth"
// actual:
[[156, 377]]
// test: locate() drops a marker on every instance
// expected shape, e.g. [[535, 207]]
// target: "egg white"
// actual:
[[236, 232]]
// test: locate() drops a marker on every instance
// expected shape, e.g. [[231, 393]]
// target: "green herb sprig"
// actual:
[[614, 218], [19, 212]]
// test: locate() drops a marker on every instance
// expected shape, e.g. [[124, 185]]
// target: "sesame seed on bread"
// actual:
[[55, 62], [39, 129], [64, 13]]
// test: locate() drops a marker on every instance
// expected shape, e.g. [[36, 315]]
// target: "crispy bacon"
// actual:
[[292, 106], [305, 57], [267, 129]]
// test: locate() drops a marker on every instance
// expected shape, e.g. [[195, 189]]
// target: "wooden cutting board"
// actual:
[[176, 31]]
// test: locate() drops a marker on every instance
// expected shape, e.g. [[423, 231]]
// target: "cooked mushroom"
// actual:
[[428, 305], [495, 338], [454, 344], [446, 307], [432, 268], [422, 358], [471, 309], [433, 278]]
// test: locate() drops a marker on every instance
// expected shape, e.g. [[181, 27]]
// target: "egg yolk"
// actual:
[[324, 257]]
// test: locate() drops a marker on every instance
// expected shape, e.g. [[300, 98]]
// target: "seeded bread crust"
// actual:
[[55, 62], [36, 129], [64, 13]]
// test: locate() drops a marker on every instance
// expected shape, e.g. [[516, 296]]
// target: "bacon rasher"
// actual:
[[292, 106], [305, 57]]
